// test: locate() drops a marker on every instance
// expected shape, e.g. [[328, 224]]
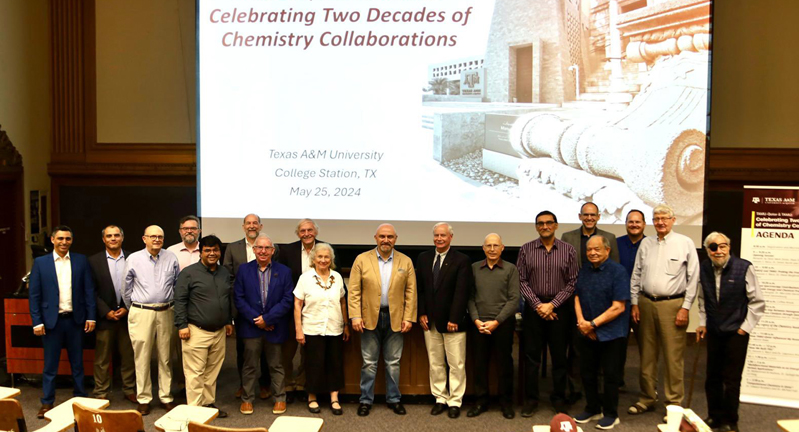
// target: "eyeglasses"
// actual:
[[661, 219], [155, 237], [190, 229], [589, 214], [258, 248], [545, 223]]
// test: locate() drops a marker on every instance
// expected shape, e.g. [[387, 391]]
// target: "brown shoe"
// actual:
[[265, 393], [132, 398], [239, 392], [48, 407], [143, 409], [280, 408], [246, 408], [168, 406]]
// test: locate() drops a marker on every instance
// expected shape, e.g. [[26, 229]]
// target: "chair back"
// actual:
[[92, 420], [11, 416], [199, 427]]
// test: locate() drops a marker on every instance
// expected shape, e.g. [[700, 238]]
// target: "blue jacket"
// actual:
[[44, 295], [279, 310]]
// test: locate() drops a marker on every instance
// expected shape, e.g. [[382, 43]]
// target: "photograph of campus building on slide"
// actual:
[[581, 100]]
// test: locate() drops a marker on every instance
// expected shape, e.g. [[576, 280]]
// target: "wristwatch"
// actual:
[[593, 324]]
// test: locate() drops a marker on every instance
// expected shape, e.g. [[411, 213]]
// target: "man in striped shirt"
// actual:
[[547, 272]]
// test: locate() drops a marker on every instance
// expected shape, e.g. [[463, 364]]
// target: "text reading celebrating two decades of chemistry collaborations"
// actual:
[[245, 28], [324, 189]]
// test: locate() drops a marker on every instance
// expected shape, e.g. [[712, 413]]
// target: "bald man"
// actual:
[[150, 277]]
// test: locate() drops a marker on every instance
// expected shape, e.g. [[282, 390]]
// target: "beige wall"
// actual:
[[145, 71], [25, 90], [755, 89]]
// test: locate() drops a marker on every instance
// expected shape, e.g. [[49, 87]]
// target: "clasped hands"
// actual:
[[486, 327], [261, 324], [587, 329], [546, 311]]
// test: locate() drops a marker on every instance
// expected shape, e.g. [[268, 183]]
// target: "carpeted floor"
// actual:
[[754, 418]]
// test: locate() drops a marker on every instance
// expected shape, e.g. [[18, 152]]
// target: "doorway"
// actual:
[[524, 74]]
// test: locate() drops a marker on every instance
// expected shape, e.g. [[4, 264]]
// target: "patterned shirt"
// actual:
[[548, 274]]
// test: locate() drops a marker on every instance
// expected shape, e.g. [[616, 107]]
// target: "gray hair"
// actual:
[[713, 235], [244, 221], [663, 209], [263, 235], [449, 227], [303, 222], [324, 246], [605, 241]]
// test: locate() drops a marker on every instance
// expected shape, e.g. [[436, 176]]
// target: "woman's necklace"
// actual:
[[321, 285]]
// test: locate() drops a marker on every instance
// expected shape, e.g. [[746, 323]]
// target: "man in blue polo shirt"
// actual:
[[628, 248], [602, 295]]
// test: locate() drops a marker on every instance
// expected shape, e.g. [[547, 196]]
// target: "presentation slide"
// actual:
[[477, 112]]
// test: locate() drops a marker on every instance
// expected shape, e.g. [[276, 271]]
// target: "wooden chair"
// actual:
[[91, 420], [199, 427], [11, 416]]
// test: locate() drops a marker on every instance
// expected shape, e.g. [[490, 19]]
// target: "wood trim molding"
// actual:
[[753, 164]]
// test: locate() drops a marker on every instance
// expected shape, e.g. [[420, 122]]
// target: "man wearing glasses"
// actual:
[[547, 272], [589, 216], [730, 305], [263, 296], [188, 250], [150, 277], [662, 289]]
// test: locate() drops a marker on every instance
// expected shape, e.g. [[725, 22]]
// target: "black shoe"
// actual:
[[508, 412], [302, 396], [222, 414], [316, 409], [477, 410], [290, 397], [454, 412], [574, 398], [726, 428], [397, 408], [438, 408], [336, 411], [560, 408], [363, 409], [712, 423], [529, 409]]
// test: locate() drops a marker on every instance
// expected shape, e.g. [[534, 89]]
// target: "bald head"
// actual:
[[493, 247], [153, 239], [386, 237]]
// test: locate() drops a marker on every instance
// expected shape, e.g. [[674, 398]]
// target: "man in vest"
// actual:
[[730, 305]]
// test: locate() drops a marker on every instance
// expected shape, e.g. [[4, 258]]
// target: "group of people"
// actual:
[[292, 312]]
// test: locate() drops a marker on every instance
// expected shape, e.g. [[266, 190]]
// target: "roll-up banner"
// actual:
[[770, 240]]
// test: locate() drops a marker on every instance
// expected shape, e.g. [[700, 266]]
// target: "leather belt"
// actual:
[[207, 328], [655, 298], [65, 314], [153, 308]]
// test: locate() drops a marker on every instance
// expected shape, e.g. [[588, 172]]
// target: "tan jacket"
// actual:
[[365, 290]]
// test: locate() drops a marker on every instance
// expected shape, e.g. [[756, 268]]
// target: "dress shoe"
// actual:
[[712, 423], [43, 410], [168, 406], [508, 412], [336, 411], [454, 412], [363, 409], [529, 409], [477, 410], [239, 392], [220, 414], [143, 409], [290, 397], [560, 408], [397, 407], [132, 398], [302, 395], [264, 393], [726, 428], [279, 408], [245, 408], [313, 407], [438, 408]]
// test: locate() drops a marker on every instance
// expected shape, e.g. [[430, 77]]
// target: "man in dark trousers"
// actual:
[[730, 305], [62, 310], [108, 268], [445, 280]]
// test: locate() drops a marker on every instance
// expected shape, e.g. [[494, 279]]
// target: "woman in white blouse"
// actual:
[[320, 317]]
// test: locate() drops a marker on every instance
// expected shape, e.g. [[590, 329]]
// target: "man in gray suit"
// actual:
[[589, 216], [237, 253]]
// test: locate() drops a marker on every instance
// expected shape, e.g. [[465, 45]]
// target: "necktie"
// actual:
[[436, 269]]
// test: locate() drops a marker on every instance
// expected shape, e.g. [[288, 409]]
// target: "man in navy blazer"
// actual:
[[62, 307], [264, 299]]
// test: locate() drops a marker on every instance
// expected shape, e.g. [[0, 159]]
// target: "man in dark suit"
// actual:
[[237, 253], [108, 269], [62, 309], [297, 256], [589, 216], [445, 278], [264, 299]]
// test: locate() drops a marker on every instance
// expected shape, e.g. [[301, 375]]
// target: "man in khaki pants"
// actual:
[[203, 316], [662, 289], [150, 276]]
